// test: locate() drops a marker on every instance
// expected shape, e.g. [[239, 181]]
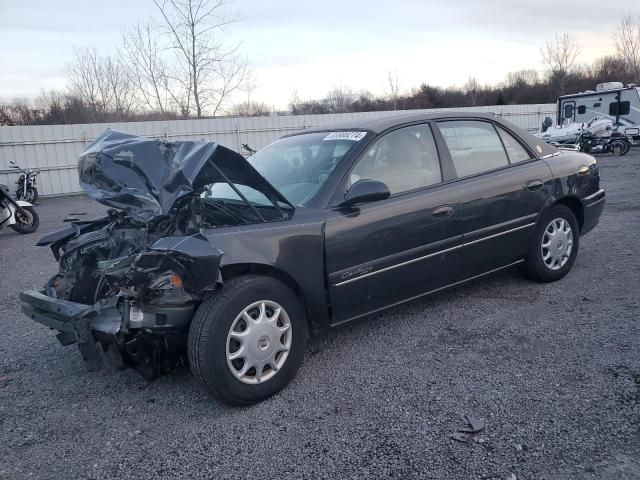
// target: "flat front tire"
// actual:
[[555, 245], [247, 341]]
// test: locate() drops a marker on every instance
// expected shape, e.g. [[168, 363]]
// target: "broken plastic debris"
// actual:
[[476, 425]]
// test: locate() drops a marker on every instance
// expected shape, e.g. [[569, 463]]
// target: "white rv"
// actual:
[[611, 100]]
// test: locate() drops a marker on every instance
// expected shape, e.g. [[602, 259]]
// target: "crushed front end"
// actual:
[[129, 283], [125, 289]]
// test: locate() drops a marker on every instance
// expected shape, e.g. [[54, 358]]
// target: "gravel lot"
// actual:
[[553, 370]]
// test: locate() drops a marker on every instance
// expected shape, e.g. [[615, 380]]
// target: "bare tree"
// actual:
[[394, 89], [212, 69], [148, 69], [86, 78], [102, 82], [471, 88], [522, 78], [627, 40], [339, 100], [120, 82], [559, 56]]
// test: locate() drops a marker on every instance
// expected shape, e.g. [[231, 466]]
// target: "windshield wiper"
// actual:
[[221, 207]]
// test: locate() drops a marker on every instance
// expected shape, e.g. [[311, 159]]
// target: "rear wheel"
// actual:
[[247, 341], [621, 145], [27, 220], [555, 245]]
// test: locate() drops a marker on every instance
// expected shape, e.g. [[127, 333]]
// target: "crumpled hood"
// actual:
[[145, 177]]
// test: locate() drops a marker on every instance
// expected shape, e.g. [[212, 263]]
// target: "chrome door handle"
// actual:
[[443, 211], [534, 184]]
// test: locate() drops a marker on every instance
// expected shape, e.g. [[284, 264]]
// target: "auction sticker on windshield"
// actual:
[[354, 136]]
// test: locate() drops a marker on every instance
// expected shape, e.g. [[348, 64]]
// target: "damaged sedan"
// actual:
[[229, 264]]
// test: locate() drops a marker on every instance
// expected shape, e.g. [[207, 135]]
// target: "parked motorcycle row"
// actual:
[[19, 213]]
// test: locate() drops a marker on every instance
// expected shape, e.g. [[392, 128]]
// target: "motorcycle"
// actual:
[[17, 214], [26, 190], [617, 143]]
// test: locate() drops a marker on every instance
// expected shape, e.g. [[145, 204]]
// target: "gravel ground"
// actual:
[[553, 370]]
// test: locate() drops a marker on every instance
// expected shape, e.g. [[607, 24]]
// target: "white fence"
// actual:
[[54, 149]]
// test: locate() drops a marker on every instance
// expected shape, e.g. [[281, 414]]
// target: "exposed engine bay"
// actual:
[[129, 282]]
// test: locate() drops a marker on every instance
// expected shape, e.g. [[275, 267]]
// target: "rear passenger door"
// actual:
[[502, 188]]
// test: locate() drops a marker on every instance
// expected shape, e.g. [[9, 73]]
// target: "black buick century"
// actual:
[[232, 263]]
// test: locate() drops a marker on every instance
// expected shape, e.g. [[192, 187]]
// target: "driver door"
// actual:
[[388, 251]]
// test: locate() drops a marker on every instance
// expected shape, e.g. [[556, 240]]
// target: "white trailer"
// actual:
[[611, 100]]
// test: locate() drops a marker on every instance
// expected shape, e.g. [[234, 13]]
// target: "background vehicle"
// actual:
[[17, 214], [234, 261], [610, 100], [26, 185], [617, 144]]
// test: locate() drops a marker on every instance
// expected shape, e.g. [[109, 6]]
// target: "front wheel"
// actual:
[[31, 196], [555, 245], [27, 220], [247, 341]]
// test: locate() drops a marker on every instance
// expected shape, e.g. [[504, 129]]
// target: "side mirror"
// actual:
[[365, 191]]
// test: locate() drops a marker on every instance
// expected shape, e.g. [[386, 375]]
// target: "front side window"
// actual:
[[404, 159], [582, 109], [515, 151], [474, 146]]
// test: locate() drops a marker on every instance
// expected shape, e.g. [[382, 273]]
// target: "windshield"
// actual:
[[296, 166]]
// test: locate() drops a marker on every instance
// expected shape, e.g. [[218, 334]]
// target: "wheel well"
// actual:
[[231, 271], [575, 205]]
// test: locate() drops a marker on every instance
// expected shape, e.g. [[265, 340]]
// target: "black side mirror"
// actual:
[[365, 191]]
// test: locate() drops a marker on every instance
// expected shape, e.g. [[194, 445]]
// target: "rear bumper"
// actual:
[[593, 207]]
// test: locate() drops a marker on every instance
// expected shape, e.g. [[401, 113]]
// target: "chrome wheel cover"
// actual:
[[557, 243], [258, 342]]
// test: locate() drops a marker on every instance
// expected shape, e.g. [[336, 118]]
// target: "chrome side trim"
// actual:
[[439, 252], [397, 265], [429, 292], [499, 234]]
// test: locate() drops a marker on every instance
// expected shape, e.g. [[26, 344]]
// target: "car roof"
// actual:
[[380, 124]]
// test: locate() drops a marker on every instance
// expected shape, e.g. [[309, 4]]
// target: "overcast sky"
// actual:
[[310, 47]]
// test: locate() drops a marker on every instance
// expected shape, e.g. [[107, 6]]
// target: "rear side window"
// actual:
[[622, 108], [515, 151], [582, 109], [474, 146]]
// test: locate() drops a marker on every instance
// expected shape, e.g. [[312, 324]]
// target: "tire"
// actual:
[[535, 266], [21, 225], [210, 340], [32, 195]]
